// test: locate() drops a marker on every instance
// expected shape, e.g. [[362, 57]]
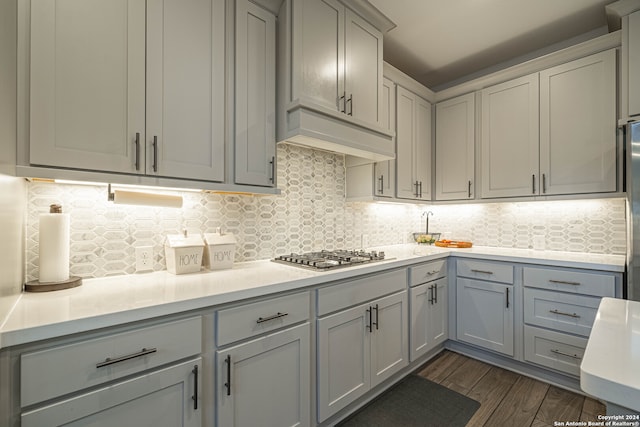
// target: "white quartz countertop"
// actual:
[[610, 368], [111, 301]]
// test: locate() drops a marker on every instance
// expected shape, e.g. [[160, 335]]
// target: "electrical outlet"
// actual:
[[144, 258]]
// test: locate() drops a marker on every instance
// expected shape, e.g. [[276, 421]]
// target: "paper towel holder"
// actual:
[[144, 198]]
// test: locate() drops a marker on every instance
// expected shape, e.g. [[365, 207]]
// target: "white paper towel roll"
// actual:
[[54, 247], [146, 199]]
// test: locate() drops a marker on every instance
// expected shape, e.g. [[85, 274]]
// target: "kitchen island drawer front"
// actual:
[[554, 350], [60, 370], [237, 323], [485, 270], [561, 311], [428, 272], [575, 281], [353, 292]]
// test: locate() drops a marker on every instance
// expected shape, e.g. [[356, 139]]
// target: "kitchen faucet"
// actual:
[[427, 213]]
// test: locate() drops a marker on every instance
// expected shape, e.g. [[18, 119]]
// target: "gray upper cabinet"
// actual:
[[413, 142], [578, 126], [87, 85], [509, 145], [88, 106], [330, 79], [255, 140], [185, 89], [455, 148]]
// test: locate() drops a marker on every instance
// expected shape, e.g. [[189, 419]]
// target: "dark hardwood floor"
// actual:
[[506, 398]]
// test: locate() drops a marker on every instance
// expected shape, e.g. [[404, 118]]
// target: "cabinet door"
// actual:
[[363, 69], [185, 89], [485, 315], [422, 143], [420, 300], [385, 172], [87, 84], [389, 337], [319, 53], [578, 126], [634, 64], [267, 382], [429, 322], [166, 398], [438, 329], [343, 359], [406, 186], [413, 146], [510, 138], [255, 145], [455, 145]]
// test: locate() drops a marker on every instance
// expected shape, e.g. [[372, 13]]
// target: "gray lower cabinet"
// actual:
[[358, 348], [266, 381], [485, 305], [149, 376], [169, 397], [429, 303], [560, 306]]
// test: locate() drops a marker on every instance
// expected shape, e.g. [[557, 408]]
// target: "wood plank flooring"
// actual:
[[506, 398]]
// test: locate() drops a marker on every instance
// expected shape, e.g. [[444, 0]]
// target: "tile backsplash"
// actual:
[[310, 214]]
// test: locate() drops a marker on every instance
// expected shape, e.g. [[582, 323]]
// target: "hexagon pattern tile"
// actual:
[[310, 214]]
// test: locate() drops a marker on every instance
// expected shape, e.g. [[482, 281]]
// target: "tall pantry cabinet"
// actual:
[[91, 67]]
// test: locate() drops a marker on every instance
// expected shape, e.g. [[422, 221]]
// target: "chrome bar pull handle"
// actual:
[[137, 142], [273, 169], [108, 361], [431, 295], [561, 353], [381, 181], [564, 282], [369, 325], [350, 101], [420, 190], [469, 192], [574, 315], [227, 360], [435, 291], [533, 184], [507, 297], [155, 153], [195, 388], [344, 103], [274, 317], [544, 183]]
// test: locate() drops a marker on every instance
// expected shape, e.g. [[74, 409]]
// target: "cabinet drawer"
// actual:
[[237, 323], [485, 270], [427, 272], [554, 350], [561, 311], [57, 371], [350, 293], [575, 281]]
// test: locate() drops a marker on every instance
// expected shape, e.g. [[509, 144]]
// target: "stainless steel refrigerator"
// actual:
[[632, 141]]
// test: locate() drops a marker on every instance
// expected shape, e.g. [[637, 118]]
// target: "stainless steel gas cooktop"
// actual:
[[327, 260]]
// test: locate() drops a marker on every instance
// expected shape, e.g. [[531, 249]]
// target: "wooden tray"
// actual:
[[453, 244]]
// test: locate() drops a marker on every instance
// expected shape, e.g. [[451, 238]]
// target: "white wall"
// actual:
[[13, 203]]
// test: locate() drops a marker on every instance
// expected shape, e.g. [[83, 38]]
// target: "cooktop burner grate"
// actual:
[[326, 260]]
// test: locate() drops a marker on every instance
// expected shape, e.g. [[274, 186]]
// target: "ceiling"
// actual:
[[440, 42]]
